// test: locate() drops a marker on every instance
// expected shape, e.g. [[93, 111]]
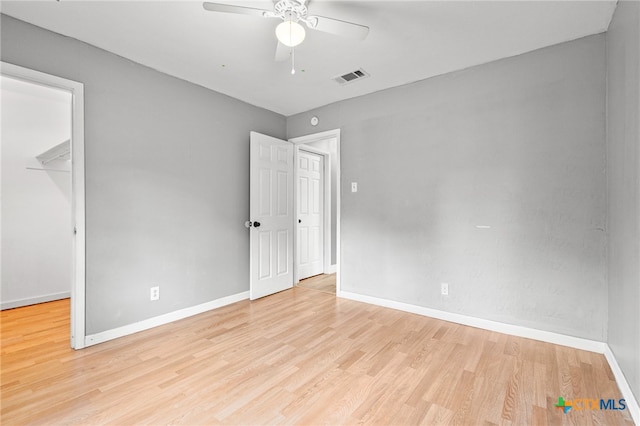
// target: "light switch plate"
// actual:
[[354, 186]]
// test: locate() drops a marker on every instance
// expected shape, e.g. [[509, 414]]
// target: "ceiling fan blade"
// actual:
[[227, 8], [282, 52], [337, 27]]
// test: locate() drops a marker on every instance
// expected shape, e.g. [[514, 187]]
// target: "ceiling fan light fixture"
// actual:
[[290, 33]]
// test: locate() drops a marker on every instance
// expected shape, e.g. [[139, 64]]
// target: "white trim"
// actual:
[[296, 188], [167, 318], [312, 149], [332, 269], [316, 137], [77, 187], [327, 214], [338, 214], [623, 385], [513, 330], [34, 300]]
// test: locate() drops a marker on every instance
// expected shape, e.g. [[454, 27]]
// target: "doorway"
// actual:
[[325, 277], [310, 211], [52, 163]]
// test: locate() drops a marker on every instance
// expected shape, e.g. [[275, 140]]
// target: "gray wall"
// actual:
[[623, 188], [167, 179], [516, 144]]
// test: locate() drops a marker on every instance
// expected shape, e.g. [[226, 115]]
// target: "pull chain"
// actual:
[[293, 51]]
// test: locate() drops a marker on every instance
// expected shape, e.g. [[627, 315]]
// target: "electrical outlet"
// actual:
[[354, 186], [154, 294], [444, 289]]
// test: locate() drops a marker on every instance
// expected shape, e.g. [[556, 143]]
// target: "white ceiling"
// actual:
[[233, 54]]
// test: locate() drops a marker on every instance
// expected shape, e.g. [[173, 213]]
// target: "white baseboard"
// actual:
[[513, 330], [623, 385], [331, 269], [34, 300], [104, 336]]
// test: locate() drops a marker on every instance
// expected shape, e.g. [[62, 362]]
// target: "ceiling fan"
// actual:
[[289, 32]]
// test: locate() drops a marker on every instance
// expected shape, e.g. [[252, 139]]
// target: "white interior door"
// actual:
[[271, 215], [310, 247]]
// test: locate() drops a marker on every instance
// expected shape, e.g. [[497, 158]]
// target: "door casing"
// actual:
[[316, 137], [78, 284]]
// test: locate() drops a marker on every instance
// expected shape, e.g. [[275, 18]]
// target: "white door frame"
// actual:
[[326, 213], [77, 187], [316, 137]]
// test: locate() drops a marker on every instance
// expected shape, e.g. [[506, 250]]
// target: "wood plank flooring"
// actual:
[[322, 282], [297, 357]]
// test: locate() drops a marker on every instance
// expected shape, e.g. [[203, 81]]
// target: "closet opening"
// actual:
[[42, 184]]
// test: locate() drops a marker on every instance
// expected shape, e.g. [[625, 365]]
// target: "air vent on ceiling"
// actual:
[[350, 77]]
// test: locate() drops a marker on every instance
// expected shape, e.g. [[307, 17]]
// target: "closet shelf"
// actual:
[[59, 152]]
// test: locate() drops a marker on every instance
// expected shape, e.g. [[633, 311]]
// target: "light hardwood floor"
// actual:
[[322, 282], [297, 357]]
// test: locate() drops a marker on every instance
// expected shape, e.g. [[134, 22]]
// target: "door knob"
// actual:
[[256, 224], [249, 224], [299, 220]]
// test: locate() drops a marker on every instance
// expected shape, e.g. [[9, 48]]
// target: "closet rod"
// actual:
[[48, 160], [48, 170]]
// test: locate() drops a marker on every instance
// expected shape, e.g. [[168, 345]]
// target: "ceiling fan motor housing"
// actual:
[[291, 10]]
